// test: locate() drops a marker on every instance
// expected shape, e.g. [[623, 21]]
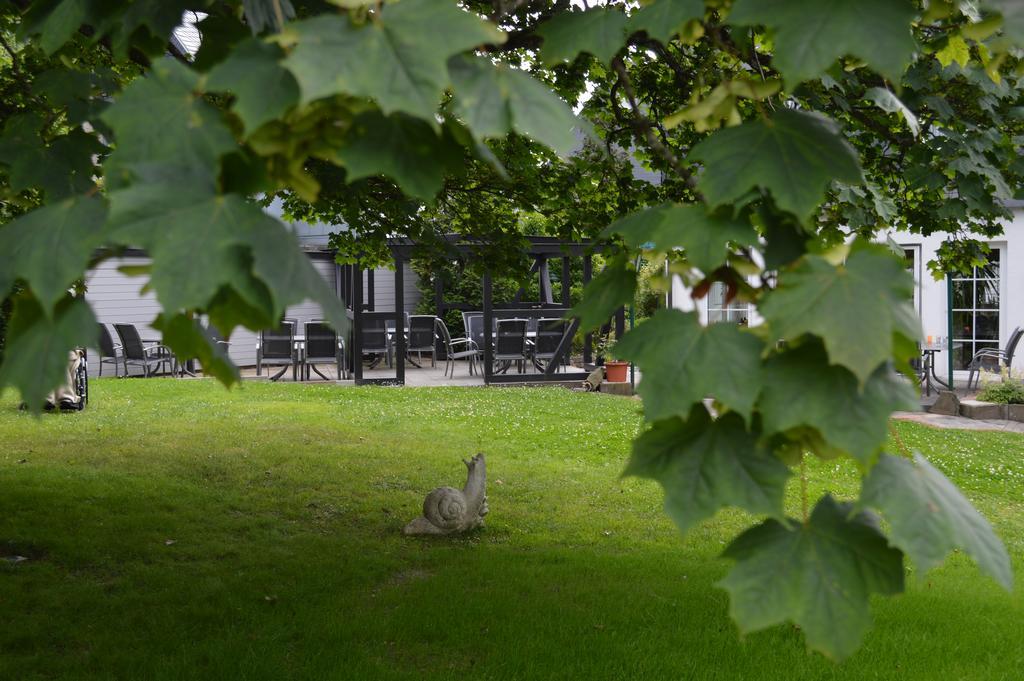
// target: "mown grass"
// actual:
[[179, 531]]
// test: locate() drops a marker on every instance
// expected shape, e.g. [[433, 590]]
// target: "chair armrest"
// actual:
[[158, 347]]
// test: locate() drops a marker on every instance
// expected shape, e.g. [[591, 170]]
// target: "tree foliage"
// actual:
[[745, 142]]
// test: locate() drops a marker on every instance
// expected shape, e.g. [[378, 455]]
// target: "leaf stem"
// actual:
[[279, 15], [803, 486]]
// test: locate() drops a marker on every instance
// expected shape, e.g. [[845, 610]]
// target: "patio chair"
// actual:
[[421, 337], [550, 332], [149, 355], [510, 343], [468, 351], [473, 323], [324, 346], [376, 340], [276, 347], [108, 350], [993, 358]]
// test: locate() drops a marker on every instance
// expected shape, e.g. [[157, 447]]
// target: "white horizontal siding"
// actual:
[[384, 289], [118, 298]]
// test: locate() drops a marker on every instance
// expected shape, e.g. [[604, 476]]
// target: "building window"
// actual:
[[976, 311], [736, 311], [911, 259]]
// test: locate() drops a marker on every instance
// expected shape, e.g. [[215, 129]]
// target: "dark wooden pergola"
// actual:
[[541, 249]]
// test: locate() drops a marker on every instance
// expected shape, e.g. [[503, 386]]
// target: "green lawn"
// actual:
[[177, 530]]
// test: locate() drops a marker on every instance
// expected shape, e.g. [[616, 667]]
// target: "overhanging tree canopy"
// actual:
[[780, 129]]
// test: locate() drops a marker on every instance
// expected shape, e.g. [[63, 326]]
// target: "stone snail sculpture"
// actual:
[[447, 510]]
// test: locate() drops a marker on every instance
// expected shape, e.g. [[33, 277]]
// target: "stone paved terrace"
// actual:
[[414, 377]]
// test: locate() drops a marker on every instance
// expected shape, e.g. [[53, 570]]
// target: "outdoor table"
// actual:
[[928, 375], [175, 364]]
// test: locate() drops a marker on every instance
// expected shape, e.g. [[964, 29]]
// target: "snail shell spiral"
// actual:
[[445, 507]]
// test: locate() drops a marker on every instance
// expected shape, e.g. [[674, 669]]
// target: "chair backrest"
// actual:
[[374, 334], [442, 331], [1011, 347], [321, 340], [277, 343], [106, 342], [421, 332], [510, 338], [131, 342], [550, 332], [474, 323]]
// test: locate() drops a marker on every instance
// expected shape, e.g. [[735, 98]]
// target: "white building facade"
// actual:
[[984, 308]]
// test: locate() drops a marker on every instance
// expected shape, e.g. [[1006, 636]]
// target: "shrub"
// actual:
[[1004, 392]]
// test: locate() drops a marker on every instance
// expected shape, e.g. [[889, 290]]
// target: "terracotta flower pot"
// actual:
[[615, 371]]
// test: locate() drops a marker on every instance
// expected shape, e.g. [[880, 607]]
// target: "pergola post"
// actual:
[[488, 322], [357, 323], [400, 320], [371, 298], [439, 348], [566, 283], [588, 338], [545, 281]]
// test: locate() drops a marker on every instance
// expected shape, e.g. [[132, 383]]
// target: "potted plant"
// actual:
[[614, 369]]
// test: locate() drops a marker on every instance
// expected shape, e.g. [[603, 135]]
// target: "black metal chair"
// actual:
[[550, 332], [469, 350], [108, 350], [136, 352], [276, 347], [421, 337], [993, 358], [323, 346], [375, 336], [473, 323], [510, 343]]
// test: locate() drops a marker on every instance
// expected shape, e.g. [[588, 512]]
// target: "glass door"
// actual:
[[976, 311]]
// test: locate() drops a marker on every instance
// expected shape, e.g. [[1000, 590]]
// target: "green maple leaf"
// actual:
[[662, 19], [495, 99], [600, 31], [705, 237], [705, 465], [263, 89], [613, 287], [50, 247], [188, 340], [856, 308], [930, 517], [890, 103], [399, 60], [62, 168], [811, 34], [239, 246], [163, 118], [683, 362], [794, 155], [955, 50], [402, 147], [55, 22], [852, 419], [38, 342], [819, 575]]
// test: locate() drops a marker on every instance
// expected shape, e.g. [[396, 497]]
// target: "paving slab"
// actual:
[[959, 422]]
